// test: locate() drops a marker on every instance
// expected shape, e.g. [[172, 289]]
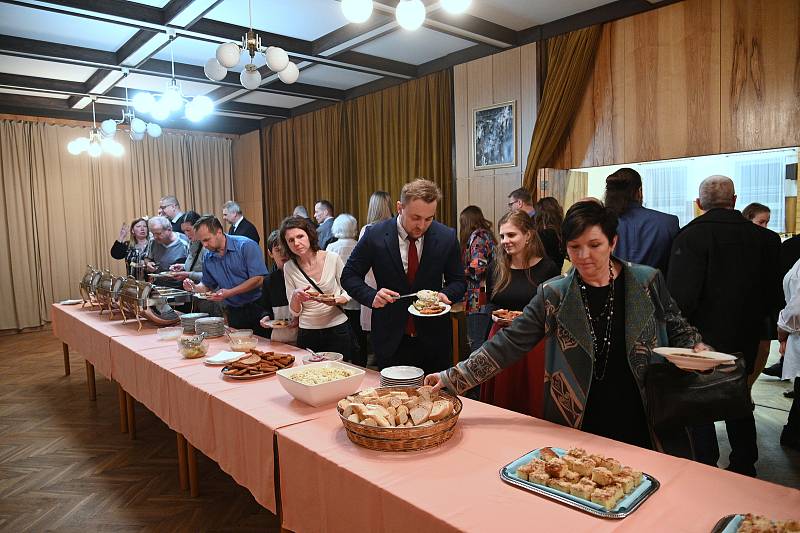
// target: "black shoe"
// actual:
[[774, 370], [743, 470], [789, 394], [790, 440]]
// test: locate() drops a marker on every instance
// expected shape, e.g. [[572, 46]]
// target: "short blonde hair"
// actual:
[[420, 189]]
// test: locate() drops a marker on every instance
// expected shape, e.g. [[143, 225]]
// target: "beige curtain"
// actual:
[[570, 60], [345, 152], [61, 212]]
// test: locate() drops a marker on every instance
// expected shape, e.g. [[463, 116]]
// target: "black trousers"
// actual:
[[793, 423], [333, 339], [359, 350], [742, 437], [420, 352], [248, 316]]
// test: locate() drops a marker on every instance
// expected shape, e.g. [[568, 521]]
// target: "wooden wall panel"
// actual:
[[761, 75], [527, 105], [505, 88], [481, 193], [247, 180], [479, 83], [462, 119]]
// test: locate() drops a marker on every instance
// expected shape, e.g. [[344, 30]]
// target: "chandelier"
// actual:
[[138, 127], [410, 14], [96, 143], [228, 55], [172, 99]]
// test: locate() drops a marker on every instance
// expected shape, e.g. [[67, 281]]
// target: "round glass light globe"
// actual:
[[154, 130], [108, 128], [410, 14], [160, 112], [172, 99], [277, 58], [289, 74], [95, 149], [74, 148], [137, 136], [144, 102], [357, 10], [228, 54], [215, 71], [138, 125], [250, 79], [82, 143]]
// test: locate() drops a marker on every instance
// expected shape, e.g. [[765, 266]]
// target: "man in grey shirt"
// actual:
[[168, 246]]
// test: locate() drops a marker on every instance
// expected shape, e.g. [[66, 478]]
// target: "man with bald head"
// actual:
[[723, 274]]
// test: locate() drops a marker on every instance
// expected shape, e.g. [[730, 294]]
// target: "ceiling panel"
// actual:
[[193, 52], [303, 19], [64, 29], [337, 78], [277, 100], [157, 84], [522, 14], [34, 93], [44, 69], [154, 3], [415, 47]]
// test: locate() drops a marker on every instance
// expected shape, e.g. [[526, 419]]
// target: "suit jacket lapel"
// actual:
[[391, 240]]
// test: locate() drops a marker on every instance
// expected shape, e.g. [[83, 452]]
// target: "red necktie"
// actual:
[[413, 265]]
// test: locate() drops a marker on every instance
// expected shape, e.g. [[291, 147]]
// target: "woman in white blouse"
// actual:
[[789, 337], [323, 324]]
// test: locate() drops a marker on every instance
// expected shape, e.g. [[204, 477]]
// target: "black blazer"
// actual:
[[176, 226], [246, 229], [439, 269]]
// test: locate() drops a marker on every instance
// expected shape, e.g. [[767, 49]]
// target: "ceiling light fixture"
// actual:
[[357, 10], [138, 127], [172, 99], [455, 6], [410, 14], [96, 143], [228, 55]]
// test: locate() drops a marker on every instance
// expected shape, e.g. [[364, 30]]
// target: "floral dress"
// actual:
[[476, 257]]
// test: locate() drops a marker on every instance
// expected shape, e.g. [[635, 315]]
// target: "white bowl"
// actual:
[[324, 393]]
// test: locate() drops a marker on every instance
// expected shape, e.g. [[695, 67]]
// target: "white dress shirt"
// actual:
[[402, 236]]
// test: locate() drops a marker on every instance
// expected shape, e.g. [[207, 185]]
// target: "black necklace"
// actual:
[[601, 343]]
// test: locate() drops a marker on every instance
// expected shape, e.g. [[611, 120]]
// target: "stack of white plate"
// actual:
[[187, 321], [402, 376], [213, 326]]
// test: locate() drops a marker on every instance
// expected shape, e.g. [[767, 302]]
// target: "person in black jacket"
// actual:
[[723, 274], [232, 214], [132, 245], [170, 207], [407, 254]]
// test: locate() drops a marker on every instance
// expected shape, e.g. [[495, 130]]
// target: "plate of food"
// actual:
[[257, 364], [593, 483], [278, 323], [688, 359], [428, 304], [325, 298], [203, 295], [504, 316], [751, 523]]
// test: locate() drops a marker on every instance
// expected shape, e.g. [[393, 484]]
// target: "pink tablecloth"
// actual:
[[85, 330], [232, 422], [329, 484]]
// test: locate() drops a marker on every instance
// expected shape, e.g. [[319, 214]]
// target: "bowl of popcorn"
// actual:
[[319, 384]]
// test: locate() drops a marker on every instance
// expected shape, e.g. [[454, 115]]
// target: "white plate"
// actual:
[[402, 373], [223, 358], [272, 324], [502, 320], [413, 311], [69, 302], [688, 359]]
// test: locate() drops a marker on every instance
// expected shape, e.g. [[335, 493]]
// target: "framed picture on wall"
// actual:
[[494, 138]]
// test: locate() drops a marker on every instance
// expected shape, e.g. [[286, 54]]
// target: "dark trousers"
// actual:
[[478, 325], [333, 339], [742, 437], [359, 350], [247, 317], [793, 424], [417, 351]]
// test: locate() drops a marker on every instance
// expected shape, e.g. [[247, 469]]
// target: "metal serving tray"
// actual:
[[624, 507], [728, 524]]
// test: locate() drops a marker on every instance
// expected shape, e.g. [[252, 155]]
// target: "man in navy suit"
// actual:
[[407, 254]]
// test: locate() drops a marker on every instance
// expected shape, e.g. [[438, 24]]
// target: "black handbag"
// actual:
[[678, 398]]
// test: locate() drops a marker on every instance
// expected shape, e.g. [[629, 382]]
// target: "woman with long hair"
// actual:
[[477, 250], [548, 218], [379, 209], [518, 269], [132, 245], [323, 323]]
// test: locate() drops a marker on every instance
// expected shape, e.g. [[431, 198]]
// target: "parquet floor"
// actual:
[[65, 466]]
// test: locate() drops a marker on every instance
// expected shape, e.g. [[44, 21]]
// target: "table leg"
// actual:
[[65, 349], [183, 467], [131, 412], [123, 409], [90, 381], [192, 464]]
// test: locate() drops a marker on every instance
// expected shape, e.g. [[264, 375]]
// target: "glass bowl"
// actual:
[[169, 334], [243, 344], [193, 347]]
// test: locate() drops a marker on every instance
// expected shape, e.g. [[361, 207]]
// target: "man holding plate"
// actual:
[[407, 254]]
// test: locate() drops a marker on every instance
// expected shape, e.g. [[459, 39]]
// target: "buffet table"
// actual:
[[297, 460]]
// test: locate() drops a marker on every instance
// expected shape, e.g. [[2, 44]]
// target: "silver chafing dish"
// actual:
[[88, 286], [141, 299], [107, 292]]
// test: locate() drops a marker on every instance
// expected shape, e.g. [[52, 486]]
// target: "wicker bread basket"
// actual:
[[403, 439]]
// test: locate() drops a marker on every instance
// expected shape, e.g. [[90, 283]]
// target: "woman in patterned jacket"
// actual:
[[601, 322]]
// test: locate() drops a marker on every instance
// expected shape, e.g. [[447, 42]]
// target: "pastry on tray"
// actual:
[[602, 480], [759, 524]]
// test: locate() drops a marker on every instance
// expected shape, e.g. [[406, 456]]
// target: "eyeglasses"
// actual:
[[165, 206]]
